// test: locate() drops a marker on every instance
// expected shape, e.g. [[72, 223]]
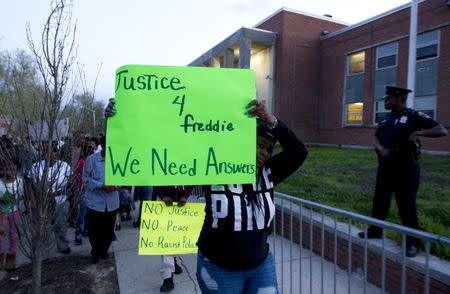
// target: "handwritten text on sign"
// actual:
[[170, 230], [181, 126]]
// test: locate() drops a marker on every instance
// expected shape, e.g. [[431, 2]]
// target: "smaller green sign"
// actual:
[[170, 230]]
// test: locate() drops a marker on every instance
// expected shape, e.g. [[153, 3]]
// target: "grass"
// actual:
[[345, 178]]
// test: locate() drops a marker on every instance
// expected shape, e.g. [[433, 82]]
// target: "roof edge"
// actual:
[[381, 15], [302, 13], [233, 37]]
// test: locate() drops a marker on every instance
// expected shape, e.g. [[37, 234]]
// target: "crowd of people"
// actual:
[[75, 178], [233, 255], [29, 169]]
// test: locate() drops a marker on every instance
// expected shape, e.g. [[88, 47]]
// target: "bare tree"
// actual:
[[35, 117]]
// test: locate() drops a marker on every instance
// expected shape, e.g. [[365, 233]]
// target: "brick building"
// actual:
[[326, 78]]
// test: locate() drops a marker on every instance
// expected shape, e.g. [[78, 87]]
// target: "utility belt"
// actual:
[[409, 153]]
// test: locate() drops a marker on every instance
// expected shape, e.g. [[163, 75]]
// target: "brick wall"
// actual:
[[297, 68], [415, 280], [432, 13]]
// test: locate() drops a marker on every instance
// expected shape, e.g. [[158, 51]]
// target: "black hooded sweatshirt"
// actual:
[[239, 217]]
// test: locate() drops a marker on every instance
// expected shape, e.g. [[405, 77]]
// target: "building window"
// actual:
[[380, 111], [426, 104], [356, 63], [387, 55], [427, 45], [354, 89], [354, 113], [427, 65], [385, 75], [427, 68]]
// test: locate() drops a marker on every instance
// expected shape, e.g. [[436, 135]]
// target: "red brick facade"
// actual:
[[297, 71], [310, 72]]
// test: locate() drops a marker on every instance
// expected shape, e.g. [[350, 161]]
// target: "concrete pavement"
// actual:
[[140, 274]]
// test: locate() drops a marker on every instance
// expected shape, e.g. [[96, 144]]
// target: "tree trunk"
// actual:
[[37, 272], [37, 257]]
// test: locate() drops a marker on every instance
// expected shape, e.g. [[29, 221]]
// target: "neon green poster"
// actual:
[[181, 126], [170, 230]]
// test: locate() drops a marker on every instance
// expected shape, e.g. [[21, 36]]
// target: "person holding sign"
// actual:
[[234, 255], [102, 203], [169, 266]]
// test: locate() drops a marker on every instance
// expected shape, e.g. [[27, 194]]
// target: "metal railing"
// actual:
[[317, 250]]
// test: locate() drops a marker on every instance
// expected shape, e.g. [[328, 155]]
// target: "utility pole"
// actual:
[[412, 54]]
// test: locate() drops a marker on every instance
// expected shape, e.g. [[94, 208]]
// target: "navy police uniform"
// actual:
[[399, 173]]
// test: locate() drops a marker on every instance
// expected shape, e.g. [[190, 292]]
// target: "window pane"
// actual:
[[355, 68], [380, 107], [379, 116], [429, 37], [427, 77], [354, 88], [388, 49], [380, 111], [387, 61], [356, 62], [357, 57], [424, 103], [427, 52], [384, 77], [354, 113]]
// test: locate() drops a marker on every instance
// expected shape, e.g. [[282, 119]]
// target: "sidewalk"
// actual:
[[140, 274]]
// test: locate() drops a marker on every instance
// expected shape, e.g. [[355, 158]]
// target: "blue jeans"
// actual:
[[214, 279]]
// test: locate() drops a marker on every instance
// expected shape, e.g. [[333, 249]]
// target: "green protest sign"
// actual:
[[181, 126]]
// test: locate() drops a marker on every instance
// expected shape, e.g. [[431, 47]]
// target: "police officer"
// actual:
[[397, 145]]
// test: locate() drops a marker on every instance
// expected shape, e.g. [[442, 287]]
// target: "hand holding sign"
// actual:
[[260, 110], [182, 201], [110, 109], [167, 201]]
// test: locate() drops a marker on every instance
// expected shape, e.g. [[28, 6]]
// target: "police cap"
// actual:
[[396, 92]]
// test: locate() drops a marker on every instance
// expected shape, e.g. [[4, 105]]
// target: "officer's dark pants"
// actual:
[[401, 177], [101, 230]]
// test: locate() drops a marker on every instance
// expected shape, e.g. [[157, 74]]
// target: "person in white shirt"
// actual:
[[57, 174]]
